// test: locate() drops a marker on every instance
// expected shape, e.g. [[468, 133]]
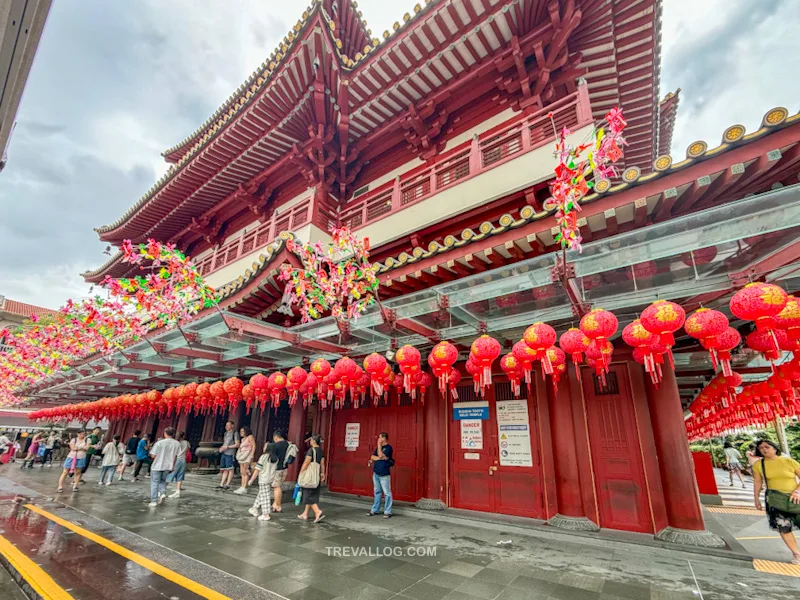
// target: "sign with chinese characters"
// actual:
[[351, 434], [514, 435], [471, 434], [470, 411]]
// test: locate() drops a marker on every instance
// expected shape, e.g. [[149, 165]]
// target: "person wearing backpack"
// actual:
[[382, 462], [130, 453], [286, 453]]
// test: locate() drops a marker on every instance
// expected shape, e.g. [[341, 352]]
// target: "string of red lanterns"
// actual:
[[777, 318]]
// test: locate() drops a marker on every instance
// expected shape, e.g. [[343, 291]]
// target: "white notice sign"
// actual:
[[471, 435], [351, 433], [514, 433]]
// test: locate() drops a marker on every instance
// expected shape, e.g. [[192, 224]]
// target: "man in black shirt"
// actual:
[[382, 461], [130, 452], [281, 447]]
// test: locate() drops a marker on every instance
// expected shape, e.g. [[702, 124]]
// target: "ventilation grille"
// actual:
[[610, 389]]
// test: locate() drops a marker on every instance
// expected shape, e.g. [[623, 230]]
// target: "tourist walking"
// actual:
[[751, 455], [49, 447], [311, 476], [286, 453], [130, 453], [165, 455], [142, 456], [244, 456], [95, 444], [75, 461], [112, 452], [382, 462], [227, 452], [33, 452], [779, 476], [6, 448], [265, 470], [732, 460], [177, 474]]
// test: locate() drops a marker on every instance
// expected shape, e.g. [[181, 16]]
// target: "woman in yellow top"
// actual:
[[782, 473]]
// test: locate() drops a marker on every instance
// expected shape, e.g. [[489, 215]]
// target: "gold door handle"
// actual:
[[492, 470]]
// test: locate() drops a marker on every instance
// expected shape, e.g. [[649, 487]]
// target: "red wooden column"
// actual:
[[434, 450], [681, 496], [571, 514]]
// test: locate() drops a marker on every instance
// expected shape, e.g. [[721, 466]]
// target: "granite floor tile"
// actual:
[[456, 595], [444, 579], [565, 592], [425, 591], [480, 589], [263, 559], [521, 594], [533, 584], [310, 593], [627, 590], [483, 561], [282, 585], [462, 568], [591, 583], [367, 592], [414, 571], [494, 576], [229, 532]]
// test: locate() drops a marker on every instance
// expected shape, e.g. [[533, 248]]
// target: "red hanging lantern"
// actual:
[[218, 395], [705, 325], [574, 342], [599, 353], [260, 384], [441, 359], [249, 396], [525, 357], [726, 342], [320, 368], [375, 365], [513, 371], [295, 377], [233, 387], [204, 396], [484, 352], [453, 379], [599, 324], [277, 383], [764, 342], [539, 337], [789, 320], [424, 381], [409, 359], [759, 302], [559, 362], [477, 374], [664, 318], [346, 370]]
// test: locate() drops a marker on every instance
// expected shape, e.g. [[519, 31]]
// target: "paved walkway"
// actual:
[[351, 557]]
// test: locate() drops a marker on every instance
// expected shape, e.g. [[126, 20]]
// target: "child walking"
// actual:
[[111, 456], [265, 471]]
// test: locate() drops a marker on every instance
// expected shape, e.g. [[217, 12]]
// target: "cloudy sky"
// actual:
[[115, 83]]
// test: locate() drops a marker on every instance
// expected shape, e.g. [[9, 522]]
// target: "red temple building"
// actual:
[[434, 140]]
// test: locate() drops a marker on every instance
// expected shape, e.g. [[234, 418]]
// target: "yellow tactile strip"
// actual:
[[33, 574], [776, 568], [730, 510], [148, 564]]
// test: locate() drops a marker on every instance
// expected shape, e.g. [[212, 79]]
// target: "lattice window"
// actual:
[[416, 191], [466, 393], [379, 206], [501, 148], [503, 391], [248, 244], [299, 218], [611, 388]]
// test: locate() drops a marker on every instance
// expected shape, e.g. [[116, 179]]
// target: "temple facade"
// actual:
[[435, 141]]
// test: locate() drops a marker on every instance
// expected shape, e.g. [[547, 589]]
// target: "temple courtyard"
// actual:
[[104, 542]]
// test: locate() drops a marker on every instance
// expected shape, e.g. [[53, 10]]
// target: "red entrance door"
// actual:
[[616, 453], [349, 472], [480, 480]]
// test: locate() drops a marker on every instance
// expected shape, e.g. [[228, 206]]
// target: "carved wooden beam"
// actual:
[[208, 228]]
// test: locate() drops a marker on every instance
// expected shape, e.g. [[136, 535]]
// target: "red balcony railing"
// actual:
[[257, 238], [484, 152]]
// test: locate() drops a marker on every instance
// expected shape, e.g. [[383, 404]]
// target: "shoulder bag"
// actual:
[[309, 479], [778, 500]]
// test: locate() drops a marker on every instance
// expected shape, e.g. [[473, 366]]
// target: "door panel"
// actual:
[[511, 490], [616, 455], [349, 471]]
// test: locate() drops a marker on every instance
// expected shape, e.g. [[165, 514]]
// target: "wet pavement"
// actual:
[[209, 537]]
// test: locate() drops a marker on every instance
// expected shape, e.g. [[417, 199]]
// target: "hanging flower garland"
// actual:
[[338, 279], [576, 173], [172, 293]]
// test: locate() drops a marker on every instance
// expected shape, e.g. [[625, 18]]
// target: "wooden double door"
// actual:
[[349, 471], [493, 475]]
